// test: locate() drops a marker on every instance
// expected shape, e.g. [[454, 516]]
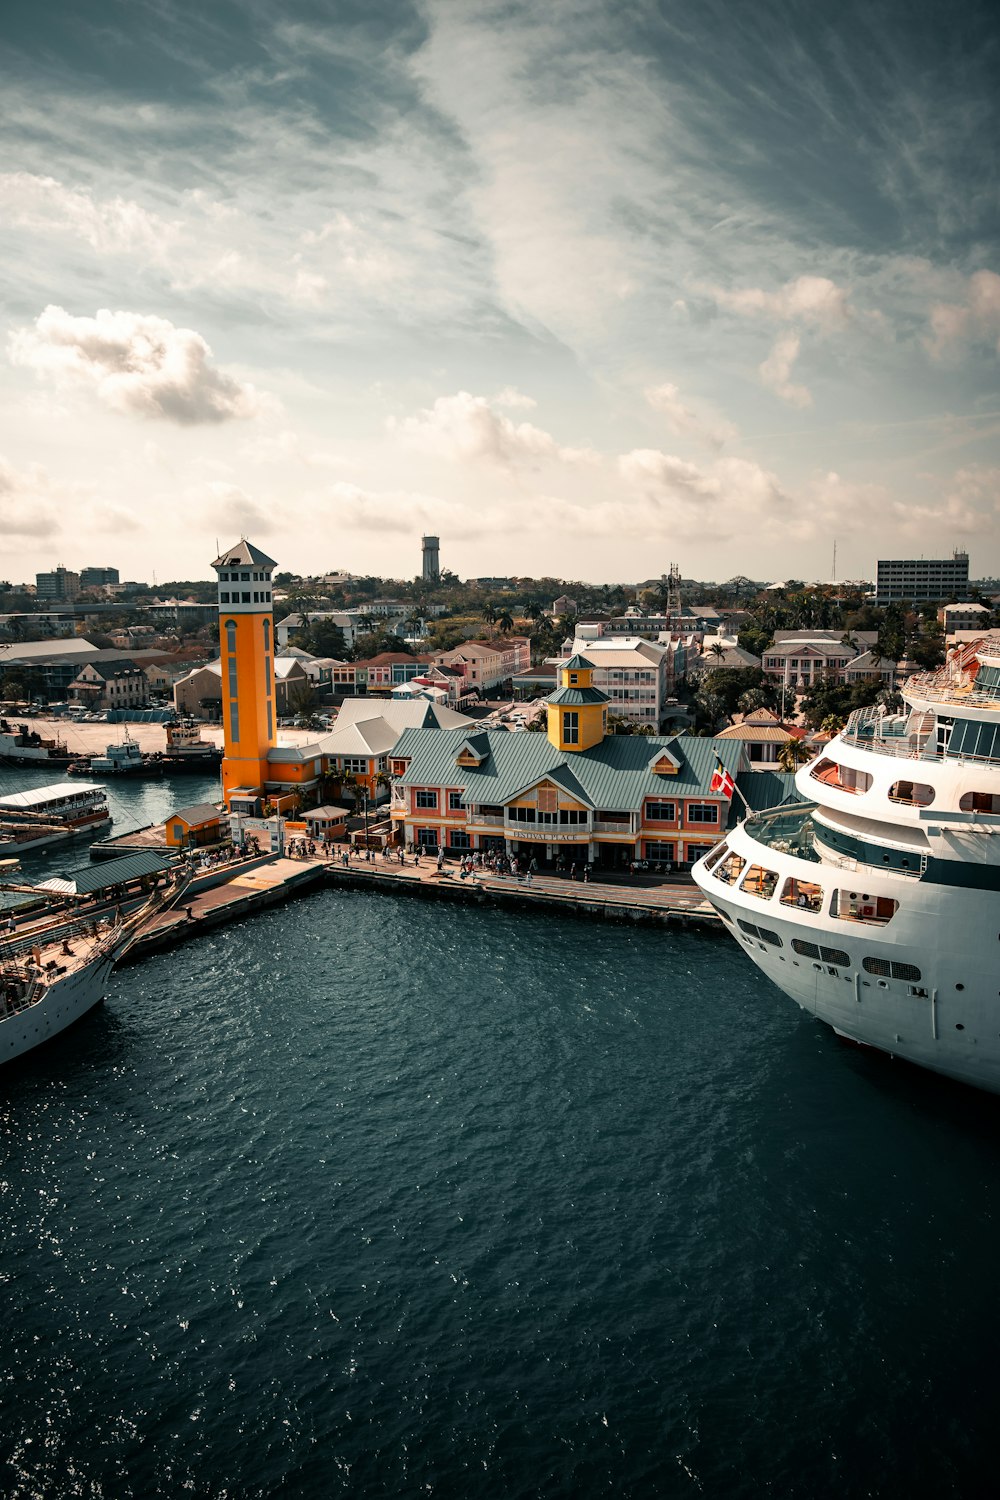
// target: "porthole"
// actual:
[[959, 1026], [960, 986]]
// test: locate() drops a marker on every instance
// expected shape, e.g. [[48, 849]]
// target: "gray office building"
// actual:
[[923, 580], [96, 578], [60, 584]]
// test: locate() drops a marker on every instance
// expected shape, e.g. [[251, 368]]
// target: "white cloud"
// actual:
[[683, 420], [713, 502], [112, 225], [24, 502], [135, 363], [514, 399], [227, 507], [806, 299], [466, 429], [775, 371], [976, 317]]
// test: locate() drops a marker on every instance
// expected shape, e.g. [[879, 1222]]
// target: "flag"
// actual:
[[722, 781]]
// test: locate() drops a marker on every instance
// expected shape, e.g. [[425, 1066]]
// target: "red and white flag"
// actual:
[[722, 781]]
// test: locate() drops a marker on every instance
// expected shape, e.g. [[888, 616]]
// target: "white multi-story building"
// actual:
[[636, 675]]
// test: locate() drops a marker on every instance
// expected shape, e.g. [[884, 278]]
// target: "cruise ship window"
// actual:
[[759, 882], [802, 893], [730, 869], [979, 802], [913, 793], [860, 906], [715, 856], [844, 778]]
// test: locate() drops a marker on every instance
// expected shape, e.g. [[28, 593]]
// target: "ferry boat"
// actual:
[[22, 746], [875, 902], [188, 751], [51, 814], [52, 975]]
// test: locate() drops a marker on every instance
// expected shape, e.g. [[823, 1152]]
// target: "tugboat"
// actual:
[[187, 751], [124, 759], [26, 747]]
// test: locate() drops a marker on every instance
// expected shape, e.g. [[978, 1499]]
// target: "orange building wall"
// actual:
[[245, 759]]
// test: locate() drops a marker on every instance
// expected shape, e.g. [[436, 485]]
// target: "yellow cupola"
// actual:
[[577, 711]]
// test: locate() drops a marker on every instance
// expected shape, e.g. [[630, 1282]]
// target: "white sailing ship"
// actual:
[[53, 972], [875, 903]]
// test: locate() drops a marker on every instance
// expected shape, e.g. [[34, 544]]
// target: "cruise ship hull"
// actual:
[[942, 1013]]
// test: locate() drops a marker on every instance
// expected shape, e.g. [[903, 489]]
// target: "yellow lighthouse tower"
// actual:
[[246, 637], [577, 711]]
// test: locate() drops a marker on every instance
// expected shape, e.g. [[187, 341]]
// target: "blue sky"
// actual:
[[583, 288]]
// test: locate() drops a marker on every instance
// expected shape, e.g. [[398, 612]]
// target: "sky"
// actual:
[[585, 289]]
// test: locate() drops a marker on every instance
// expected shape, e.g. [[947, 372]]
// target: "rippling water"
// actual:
[[378, 1197]]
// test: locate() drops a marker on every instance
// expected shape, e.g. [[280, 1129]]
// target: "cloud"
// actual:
[[514, 399], [227, 507], [777, 368], [24, 508], [712, 502], [682, 420], [111, 226], [975, 318], [807, 299], [466, 429], [135, 363]]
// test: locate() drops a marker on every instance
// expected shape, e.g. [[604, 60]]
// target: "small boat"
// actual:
[[22, 746], [55, 971], [188, 751], [123, 759]]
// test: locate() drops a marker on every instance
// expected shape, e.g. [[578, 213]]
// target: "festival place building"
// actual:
[[575, 794]]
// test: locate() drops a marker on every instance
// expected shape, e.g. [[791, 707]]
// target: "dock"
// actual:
[[221, 896], [273, 881]]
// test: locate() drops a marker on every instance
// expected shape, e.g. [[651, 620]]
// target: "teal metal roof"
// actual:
[[115, 872], [578, 664], [568, 697], [614, 775], [764, 789]]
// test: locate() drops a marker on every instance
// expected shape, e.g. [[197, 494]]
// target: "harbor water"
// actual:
[[373, 1196]]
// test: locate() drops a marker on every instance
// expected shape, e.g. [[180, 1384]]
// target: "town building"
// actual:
[[97, 578], [430, 559], [199, 693], [919, 580], [573, 795], [563, 606], [763, 734], [486, 665], [59, 584], [963, 617], [636, 675], [729, 656], [119, 683], [189, 827]]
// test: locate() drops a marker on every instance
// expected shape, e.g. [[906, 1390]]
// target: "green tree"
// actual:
[[793, 753]]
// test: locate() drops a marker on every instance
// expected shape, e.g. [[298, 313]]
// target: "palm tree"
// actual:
[[505, 622], [793, 753], [489, 614], [718, 650], [534, 612], [832, 724]]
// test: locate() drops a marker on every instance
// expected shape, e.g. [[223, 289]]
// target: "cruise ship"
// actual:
[[875, 901]]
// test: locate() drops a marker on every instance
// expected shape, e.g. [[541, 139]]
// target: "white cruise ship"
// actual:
[[875, 903]]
